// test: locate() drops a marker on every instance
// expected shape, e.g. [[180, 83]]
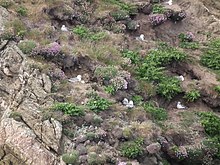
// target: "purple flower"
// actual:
[[122, 163], [157, 19], [189, 36]]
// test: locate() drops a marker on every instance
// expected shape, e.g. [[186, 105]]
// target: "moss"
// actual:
[[16, 116], [96, 159], [71, 158]]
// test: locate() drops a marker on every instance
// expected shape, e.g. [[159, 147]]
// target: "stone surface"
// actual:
[[153, 148]]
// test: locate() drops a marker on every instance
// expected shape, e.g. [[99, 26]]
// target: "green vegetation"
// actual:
[[169, 88], [106, 73], [27, 46], [69, 109], [129, 8], [96, 159], [192, 95], [6, 3], [211, 124], [110, 89], [189, 45], [217, 89], [98, 104], [22, 11], [86, 33], [119, 15], [158, 114], [132, 149], [211, 57], [71, 158], [138, 100], [132, 55], [158, 9]]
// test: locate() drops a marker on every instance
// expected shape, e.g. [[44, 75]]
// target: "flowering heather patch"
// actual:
[[157, 19], [52, 49], [57, 74], [119, 83], [189, 36]]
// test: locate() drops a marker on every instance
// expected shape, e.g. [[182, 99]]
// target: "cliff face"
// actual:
[[33, 134]]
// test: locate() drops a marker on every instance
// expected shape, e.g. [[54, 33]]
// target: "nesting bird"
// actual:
[[128, 104], [181, 78], [140, 38], [76, 79], [64, 28], [170, 2], [180, 106]]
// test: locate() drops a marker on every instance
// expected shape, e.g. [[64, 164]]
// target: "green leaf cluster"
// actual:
[[69, 109]]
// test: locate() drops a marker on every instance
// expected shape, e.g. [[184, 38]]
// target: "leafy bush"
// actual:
[[106, 73], [6, 3], [158, 114], [98, 104], [71, 158], [132, 149], [192, 96], [169, 87], [96, 159], [86, 33], [211, 123], [217, 88], [137, 99], [129, 8], [132, 55], [22, 11], [211, 57], [119, 15], [158, 9], [110, 89], [27, 46], [189, 45], [69, 109]]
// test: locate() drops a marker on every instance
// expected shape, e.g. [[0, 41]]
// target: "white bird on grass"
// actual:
[[180, 106], [64, 28], [130, 104], [125, 101], [181, 78], [75, 79], [140, 38], [170, 2]]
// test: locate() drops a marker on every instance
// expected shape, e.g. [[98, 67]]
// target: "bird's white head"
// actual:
[[178, 102], [63, 26], [79, 77]]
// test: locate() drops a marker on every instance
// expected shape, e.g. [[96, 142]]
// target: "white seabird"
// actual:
[[125, 101], [130, 104], [170, 2], [64, 28], [181, 78], [140, 38], [76, 79], [180, 106]]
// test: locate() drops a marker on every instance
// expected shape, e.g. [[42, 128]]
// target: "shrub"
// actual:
[[158, 114], [6, 3], [110, 89], [211, 57], [192, 96], [96, 159], [186, 41], [69, 109], [158, 9], [169, 88], [86, 33], [137, 99], [211, 123], [132, 55], [217, 89], [22, 11], [132, 149], [27, 46], [119, 15], [98, 104], [71, 158], [105, 73], [129, 8]]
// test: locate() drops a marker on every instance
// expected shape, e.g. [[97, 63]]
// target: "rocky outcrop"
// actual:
[[22, 129]]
